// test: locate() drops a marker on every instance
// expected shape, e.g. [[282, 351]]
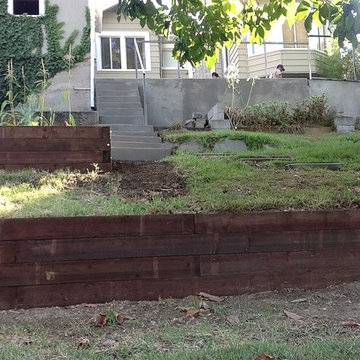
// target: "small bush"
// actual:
[[281, 117]]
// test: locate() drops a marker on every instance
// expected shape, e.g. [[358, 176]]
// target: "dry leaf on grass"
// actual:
[[294, 316], [99, 320], [151, 211], [266, 357], [26, 342], [110, 343], [120, 319], [83, 343], [211, 297], [90, 305], [154, 328], [297, 301], [232, 319], [178, 320], [350, 323], [191, 312], [182, 309]]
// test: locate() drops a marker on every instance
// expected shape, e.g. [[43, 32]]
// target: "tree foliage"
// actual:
[[339, 63], [202, 27]]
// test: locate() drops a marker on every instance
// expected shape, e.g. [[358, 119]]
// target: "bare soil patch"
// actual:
[[143, 178]]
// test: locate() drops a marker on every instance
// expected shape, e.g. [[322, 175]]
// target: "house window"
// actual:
[[168, 62], [29, 7], [124, 52], [132, 53], [110, 53]]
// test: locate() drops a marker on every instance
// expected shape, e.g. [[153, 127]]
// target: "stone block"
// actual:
[[220, 124], [357, 123], [216, 112], [230, 145], [191, 146], [344, 124]]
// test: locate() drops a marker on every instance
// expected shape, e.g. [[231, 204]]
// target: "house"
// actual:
[[300, 53], [124, 49]]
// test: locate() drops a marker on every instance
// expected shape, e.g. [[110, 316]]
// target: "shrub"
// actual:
[[282, 117]]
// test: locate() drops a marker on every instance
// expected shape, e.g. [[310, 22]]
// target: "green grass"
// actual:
[[208, 138], [248, 350], [213, 184]]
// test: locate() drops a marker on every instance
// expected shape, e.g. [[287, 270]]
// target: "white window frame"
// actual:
[[123, 35], [41, 8]]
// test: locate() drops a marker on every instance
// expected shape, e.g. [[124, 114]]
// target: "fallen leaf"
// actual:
[[154, 328], [232, 319], [109, 343], [294, 316], [350, 323], [99, 320], [182, 309], [193, 313], [90, 305], [151, 211], [120, 319], [26, 342], [211, 297], [83, 343], [266, 357], [177, 321], [297, 301]]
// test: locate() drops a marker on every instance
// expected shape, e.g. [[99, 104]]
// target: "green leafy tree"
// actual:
[[340, 63], [202, 27]]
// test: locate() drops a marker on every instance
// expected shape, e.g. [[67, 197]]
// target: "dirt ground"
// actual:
[[311, 314], [142, 178]]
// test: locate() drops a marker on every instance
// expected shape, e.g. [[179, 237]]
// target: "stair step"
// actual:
[[125, 93], [135, 133], [152, 138], [139, 145], [137, 154], [122, 120], [121, 112], [118, 105], [119, 128]]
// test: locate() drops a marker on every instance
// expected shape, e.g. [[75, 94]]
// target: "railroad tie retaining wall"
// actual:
[[54, 147], [62, 261]]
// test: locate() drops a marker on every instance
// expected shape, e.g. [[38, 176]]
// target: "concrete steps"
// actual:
[[136, 143], [122, 112], [140, 154], [122, 119], [119, 106], [135, 138]]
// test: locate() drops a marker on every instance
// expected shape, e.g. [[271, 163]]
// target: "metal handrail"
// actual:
[[144, 80]]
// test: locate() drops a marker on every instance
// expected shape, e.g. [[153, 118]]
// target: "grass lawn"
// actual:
[[239, 328], [209, 183]]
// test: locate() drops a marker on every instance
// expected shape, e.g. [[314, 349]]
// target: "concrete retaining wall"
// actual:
[[172, 101]]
